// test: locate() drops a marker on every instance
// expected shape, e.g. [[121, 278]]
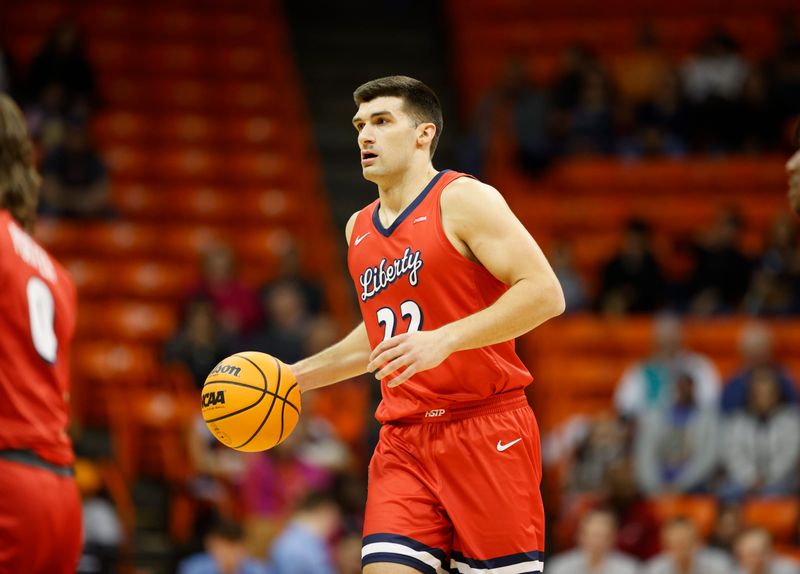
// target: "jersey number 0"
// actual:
[[409, 311], [42, 311]]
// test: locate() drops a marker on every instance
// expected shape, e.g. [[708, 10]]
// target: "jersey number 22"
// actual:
[[409, 311]]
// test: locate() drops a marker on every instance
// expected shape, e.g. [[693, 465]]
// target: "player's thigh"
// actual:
[[389, 568], [491, 490]]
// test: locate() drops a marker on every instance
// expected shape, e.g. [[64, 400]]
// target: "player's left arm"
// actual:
[[477, 216]]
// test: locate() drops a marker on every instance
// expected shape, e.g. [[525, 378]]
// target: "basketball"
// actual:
[[251, 401]]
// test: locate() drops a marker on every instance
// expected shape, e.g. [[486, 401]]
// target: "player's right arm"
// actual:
[[344, 360]]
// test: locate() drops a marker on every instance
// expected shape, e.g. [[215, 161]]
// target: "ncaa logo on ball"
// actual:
[[213, 399]]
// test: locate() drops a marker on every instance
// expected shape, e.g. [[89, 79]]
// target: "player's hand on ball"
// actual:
[[413, 352]]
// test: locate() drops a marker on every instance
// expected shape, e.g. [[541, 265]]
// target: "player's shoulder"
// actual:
[[471, 191]]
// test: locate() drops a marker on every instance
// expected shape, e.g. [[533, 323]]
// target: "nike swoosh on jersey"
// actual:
[[360, 238], [501, 447], [423, 218]]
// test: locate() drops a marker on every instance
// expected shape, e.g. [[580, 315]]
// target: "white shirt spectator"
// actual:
[[576, 562]]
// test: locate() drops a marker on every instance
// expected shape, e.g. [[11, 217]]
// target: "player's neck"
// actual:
[[397, 193]]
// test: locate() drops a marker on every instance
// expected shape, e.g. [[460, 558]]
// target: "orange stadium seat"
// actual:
[[134, 321], [778, 515], [701, 510]]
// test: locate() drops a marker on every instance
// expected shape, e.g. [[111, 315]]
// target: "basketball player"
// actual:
[[40, 508], [447, 277], [793, 168]]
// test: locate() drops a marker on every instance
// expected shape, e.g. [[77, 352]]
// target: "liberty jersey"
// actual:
[[410, 277], [37, 323]]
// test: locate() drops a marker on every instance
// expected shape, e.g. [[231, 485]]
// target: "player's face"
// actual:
[[387, 137]]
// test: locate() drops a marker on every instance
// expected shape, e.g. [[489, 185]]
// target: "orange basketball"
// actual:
[[251, 401]]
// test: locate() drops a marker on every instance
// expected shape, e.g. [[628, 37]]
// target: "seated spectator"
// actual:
[[676, 447], [103, 534], [348, 553], [722, 270], [288, 324], [235, 304], [714, 78], [595, 553], [225, 553], [727, 527], [639, 73], [632, 280], [290, 270], [754, 555], [47, 119], [755, 348], [75, 178], [592, 126], [302, 547], [638, 525], [604, 444], [651, 382], [63, 62], [569, 277], [684, 554], [775, 285], [761, 445], [200, 343]]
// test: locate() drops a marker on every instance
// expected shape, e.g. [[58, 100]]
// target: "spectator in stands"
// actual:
[[727, 527], [651, 382], [783, 71], [288, 324], [103, 534], [75, 177], [348, 553], [758, 125], [714, 79], [676, 447], [275, 480], [303, 546], [605, 443], [46, 118], [684, 554], [775, 285], [722, 270], [200, 343], [638, 526], [755, 347], [761, 445], [290, 269], [235, 304], [632, 280], [516, 108], [754, 555], [592, 126], [225, 553], [660, 124], [595, 553], [63, 62], [571, 281], [639, 74]]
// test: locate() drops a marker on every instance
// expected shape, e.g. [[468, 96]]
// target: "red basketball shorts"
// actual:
[[40, 521], [458, 491]]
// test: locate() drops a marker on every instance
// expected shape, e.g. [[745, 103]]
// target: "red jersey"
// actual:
[[37, 322], [410, 277]]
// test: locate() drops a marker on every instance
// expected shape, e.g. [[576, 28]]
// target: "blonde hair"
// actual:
[[19, 180]]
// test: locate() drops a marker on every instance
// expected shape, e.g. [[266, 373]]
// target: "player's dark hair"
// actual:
[[226, 529], [316, 499], [19, 180], [420, 102]]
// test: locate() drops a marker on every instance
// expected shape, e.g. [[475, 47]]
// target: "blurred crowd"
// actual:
[[679, 430], [718, 275], [57, 91], [643, 104]]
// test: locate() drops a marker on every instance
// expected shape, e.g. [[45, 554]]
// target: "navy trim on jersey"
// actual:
[[389, 557], [386, 232], [498, 562], [406, 541]]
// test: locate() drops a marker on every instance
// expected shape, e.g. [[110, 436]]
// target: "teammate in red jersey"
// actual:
[[40, 508], [447, 277]]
